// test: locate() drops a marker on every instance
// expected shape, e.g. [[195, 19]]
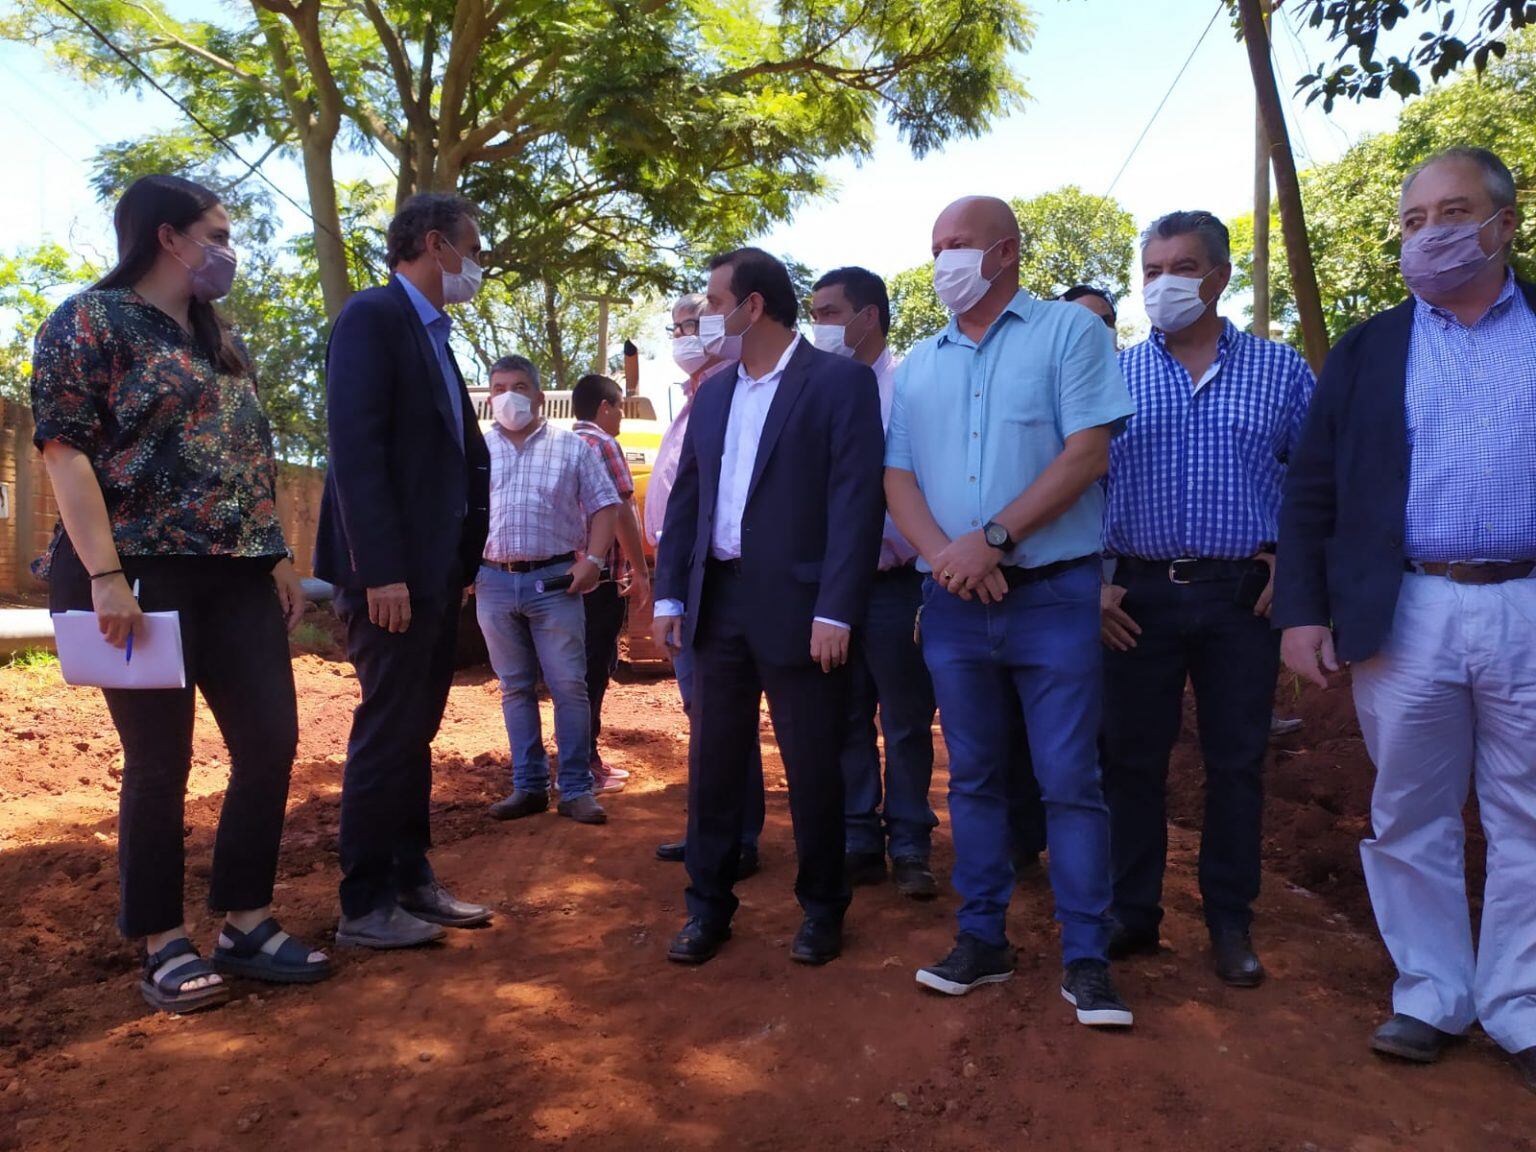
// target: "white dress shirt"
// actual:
[[895, 551], [743, 435]]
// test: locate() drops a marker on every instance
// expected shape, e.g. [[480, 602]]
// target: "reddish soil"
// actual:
[[562, 1024]]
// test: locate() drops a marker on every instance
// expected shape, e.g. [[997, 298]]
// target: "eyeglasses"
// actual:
[[683, 328]]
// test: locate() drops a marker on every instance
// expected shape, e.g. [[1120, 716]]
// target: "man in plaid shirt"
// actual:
[[1192, 516], [598, 405], [552, 516]]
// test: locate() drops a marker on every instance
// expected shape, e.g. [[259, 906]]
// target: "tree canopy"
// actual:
[[1352, 202], [1447, 35], [1067, 237]]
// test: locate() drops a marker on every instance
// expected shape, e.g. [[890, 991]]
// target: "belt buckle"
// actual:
[[1173, 571]]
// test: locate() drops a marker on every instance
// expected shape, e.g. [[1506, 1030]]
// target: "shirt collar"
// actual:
[[778, 369], [884, 363], [1423, 307], [1229, 334], [425, 309], [1021, 306], [592, 427]]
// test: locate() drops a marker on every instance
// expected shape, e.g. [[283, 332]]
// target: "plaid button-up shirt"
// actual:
[[1471, 407], [543, 494], [612, 455], [1199, 469]]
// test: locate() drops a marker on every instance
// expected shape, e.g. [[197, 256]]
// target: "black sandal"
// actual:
[[288, 964], [169, 992]]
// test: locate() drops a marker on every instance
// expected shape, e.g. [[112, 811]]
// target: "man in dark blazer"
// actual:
[[1408, 549], [402, 526], [769, 546]]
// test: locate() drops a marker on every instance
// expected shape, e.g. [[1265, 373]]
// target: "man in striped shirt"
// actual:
[[597, 402], [552, 516], [1192, 517]]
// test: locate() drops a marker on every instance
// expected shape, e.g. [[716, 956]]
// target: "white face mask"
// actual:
[[714, 338], [460, 287], [1173, 302], [512, 410], [958, 280], [688, 353], [831, 338]]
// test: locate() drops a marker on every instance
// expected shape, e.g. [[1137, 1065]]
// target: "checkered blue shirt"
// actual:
[[1472, 433], [1199, 469]]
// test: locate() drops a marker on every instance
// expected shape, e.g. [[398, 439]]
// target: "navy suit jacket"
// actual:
[[1341, 558], [407, 492], [810, 535]]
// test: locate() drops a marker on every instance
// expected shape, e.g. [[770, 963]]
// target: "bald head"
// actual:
[[976, 222]]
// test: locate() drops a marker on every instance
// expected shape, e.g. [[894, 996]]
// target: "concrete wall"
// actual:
[[25, 533]]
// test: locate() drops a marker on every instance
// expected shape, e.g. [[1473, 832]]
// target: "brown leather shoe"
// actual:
[[520, 804]]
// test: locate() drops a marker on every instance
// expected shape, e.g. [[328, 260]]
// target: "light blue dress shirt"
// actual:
[[439, 328], [978, 423], [1471, 408]]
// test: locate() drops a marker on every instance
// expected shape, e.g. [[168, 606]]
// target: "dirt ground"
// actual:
[[563, 1026]]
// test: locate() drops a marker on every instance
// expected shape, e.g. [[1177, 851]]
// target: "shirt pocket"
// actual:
[[1024, 399]]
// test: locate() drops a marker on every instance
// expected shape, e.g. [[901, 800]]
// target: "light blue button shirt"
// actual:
[[978, 423], [439, 328]]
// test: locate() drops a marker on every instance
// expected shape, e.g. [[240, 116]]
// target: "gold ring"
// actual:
[[948, 575]]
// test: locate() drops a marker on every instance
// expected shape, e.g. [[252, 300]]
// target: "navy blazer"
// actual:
[[810, 534], [407, 491], [1341, 558]]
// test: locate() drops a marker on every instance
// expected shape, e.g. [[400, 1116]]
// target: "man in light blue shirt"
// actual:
[[999, 434]]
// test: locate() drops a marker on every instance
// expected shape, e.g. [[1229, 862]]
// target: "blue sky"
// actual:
[[1095, 73]]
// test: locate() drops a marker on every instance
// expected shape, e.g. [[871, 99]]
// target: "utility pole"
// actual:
[[600, 360], [1293, 222], [1261, 212]]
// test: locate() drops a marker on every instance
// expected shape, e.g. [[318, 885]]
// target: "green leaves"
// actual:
[[1351, 204]]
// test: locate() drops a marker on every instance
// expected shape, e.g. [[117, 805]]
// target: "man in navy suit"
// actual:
[[769, 547], [1408, 548], [402, 526]]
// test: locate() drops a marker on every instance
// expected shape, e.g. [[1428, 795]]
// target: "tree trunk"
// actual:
[[330, 250], [552, 332], [1293, 222]]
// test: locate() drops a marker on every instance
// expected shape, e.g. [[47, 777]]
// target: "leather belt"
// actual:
[[1017, 576], [908, 570], [731, 567], [1189, 569], [1492, 572], [522, 566]]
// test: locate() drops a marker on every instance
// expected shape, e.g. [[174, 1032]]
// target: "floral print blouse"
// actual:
[[181, 448]]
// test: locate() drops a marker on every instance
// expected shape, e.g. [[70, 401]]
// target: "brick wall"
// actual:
[[26, 533]]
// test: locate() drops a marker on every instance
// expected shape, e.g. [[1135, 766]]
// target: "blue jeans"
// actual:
[[756, 808], [526, 630], [1037, 652], [888, 671]]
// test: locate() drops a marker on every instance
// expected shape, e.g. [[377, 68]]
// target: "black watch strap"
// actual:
[[992, 530]]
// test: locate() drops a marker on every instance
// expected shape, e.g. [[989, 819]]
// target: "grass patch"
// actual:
[[310, 637], [33, 660]]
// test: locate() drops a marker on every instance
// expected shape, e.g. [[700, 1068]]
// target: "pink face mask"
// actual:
[[1440, 258]]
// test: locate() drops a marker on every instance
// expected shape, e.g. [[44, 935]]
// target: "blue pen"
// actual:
[[128, 659]]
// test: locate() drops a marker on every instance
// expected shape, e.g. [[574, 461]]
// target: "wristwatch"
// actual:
[[597, 561], [997, 536]]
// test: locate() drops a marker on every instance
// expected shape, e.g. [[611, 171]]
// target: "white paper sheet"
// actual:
[[87, 659]]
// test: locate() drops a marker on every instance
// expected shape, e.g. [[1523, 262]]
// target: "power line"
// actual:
[[1220, 8], [213, 135]]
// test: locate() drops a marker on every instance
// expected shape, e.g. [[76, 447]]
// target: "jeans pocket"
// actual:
[[1076, 585]]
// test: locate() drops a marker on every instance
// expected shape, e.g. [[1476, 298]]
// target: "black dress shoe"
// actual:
[[818, 941], [698, 941], [436, 905], [1408, 1038], [863, 868], [1236, 963], [913, 878], [672, 851], [1125, 943]]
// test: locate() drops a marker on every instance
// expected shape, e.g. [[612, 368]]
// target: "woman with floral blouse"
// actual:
[[161, 462]]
